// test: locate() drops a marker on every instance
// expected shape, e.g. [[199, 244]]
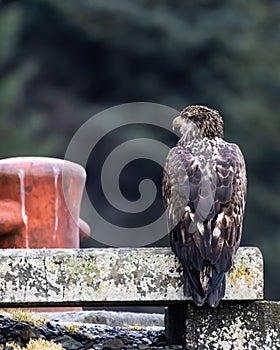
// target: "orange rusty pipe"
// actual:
[[84, 229], [40, 203], [10, 217]]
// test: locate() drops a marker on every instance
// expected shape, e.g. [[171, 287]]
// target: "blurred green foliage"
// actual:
[[61, 61], [21, 131]]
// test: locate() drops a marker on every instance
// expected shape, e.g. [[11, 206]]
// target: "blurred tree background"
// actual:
[[63, 61]]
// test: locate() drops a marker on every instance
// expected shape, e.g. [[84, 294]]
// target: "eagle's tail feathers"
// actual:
[[211, 290], [187, 292], [218, 292], [192, 286]]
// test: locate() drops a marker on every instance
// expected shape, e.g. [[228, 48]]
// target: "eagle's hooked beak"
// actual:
[[177, 122]]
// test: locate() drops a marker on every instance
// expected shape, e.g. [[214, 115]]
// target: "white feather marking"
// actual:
[[205, 275], [188, 210], [200, 227], [216, 232], [183, 237], [220, 218]]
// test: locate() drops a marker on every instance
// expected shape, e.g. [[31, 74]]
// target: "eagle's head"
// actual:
[[195, 121]]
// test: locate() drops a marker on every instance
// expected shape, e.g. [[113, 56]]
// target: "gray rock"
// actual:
[[113, 344], [29, 332], [68, 342], [81, 336]]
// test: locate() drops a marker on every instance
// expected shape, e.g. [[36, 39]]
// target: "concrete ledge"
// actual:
[[236, 325], [30, 277]]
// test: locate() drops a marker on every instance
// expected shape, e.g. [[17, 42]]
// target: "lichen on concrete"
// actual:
[[233, 326], [245, 274], [112, 275]]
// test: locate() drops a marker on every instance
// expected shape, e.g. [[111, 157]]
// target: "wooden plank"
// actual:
[[36, 277]]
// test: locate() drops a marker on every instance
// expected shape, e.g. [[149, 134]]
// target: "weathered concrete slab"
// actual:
[[112, 275], [235, 325]]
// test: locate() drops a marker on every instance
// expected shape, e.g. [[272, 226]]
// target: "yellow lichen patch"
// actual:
[[25, 316], [38, 344], [236, 273]]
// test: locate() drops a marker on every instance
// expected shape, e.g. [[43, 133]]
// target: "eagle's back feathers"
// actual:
[[204, 191]]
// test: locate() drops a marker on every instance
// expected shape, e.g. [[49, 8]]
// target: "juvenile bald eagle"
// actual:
[[204, 193]]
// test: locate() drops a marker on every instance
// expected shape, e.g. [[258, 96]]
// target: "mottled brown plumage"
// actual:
[[204, 193]]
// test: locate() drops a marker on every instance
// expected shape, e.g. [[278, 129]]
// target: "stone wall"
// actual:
[[233, 325]]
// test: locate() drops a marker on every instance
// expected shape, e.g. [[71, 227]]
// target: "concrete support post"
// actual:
[[234, 325]]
